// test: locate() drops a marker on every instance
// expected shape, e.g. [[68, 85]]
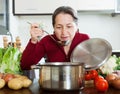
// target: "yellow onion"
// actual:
[[111, 77], [116, 83]]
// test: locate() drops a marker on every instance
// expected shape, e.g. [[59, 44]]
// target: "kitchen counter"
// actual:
[[35, 89]]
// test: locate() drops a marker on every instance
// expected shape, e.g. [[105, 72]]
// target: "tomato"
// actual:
[[101, 85], [90, 75], [97, 78], [87, 76], [94, 74]]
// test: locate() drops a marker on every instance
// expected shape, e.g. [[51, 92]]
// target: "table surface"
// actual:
[[35, 89]]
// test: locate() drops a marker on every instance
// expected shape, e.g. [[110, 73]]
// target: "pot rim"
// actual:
[[62, 64]]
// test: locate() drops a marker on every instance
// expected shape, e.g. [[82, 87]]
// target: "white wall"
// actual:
[[103, 26], [96, 25], [99, 25]]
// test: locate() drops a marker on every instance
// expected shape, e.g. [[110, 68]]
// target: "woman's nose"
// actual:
[[64, 30]]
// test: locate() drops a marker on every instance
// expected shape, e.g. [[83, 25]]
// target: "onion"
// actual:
[[116, 83], [7, 77], [111, 77]]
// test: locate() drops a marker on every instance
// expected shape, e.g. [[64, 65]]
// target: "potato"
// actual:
[[22, 77], [2, 83], [26, 82], [17, 75], [15, 84]]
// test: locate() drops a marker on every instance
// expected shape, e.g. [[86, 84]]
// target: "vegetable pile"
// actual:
[[113, 80], [10, 60], [117, 62], [107, 75], [111, 65], [14, 81], [100, 83]]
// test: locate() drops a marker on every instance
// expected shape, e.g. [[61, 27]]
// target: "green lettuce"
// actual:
[[10, 61]]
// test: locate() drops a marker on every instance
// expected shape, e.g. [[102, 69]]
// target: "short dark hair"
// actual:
[[66, 10]]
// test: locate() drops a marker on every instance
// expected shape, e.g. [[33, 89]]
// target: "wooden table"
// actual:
[[35, 89]]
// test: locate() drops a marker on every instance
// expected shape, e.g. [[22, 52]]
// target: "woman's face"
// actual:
[[65, 27]]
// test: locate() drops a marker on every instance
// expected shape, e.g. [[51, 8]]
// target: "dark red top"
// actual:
[[47, 47]]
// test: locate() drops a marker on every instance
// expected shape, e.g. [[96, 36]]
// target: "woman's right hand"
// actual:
[[36, 32]]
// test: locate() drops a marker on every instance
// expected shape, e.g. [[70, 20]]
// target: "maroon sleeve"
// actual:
[[28, 56]]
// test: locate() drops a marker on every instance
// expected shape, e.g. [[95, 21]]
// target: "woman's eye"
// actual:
[[58, 27], [69, 26]]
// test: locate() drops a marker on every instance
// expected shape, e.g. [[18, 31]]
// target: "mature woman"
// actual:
[[65, 24]]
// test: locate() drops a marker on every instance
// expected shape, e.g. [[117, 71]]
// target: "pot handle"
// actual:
[[36, 67]]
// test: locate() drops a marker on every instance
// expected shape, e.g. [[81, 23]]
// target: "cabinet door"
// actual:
[[117, 6], [1, 6], [41, 6], [97, 5], [4, 17]]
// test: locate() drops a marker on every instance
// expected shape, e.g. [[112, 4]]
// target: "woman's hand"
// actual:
[[36, 32]]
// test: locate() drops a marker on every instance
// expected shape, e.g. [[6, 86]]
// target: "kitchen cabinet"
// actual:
[[40, 6], [117, 6], [48, 7], [4, 17], [1, 6], [93, 5]]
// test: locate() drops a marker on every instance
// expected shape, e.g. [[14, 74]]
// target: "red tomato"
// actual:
[[98, 78], [101, 85], [93, 73], [87, 76]]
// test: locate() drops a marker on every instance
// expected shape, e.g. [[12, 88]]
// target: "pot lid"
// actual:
[[94, 52]]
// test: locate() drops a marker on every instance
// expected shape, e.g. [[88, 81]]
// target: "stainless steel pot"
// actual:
[[61, 76]]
